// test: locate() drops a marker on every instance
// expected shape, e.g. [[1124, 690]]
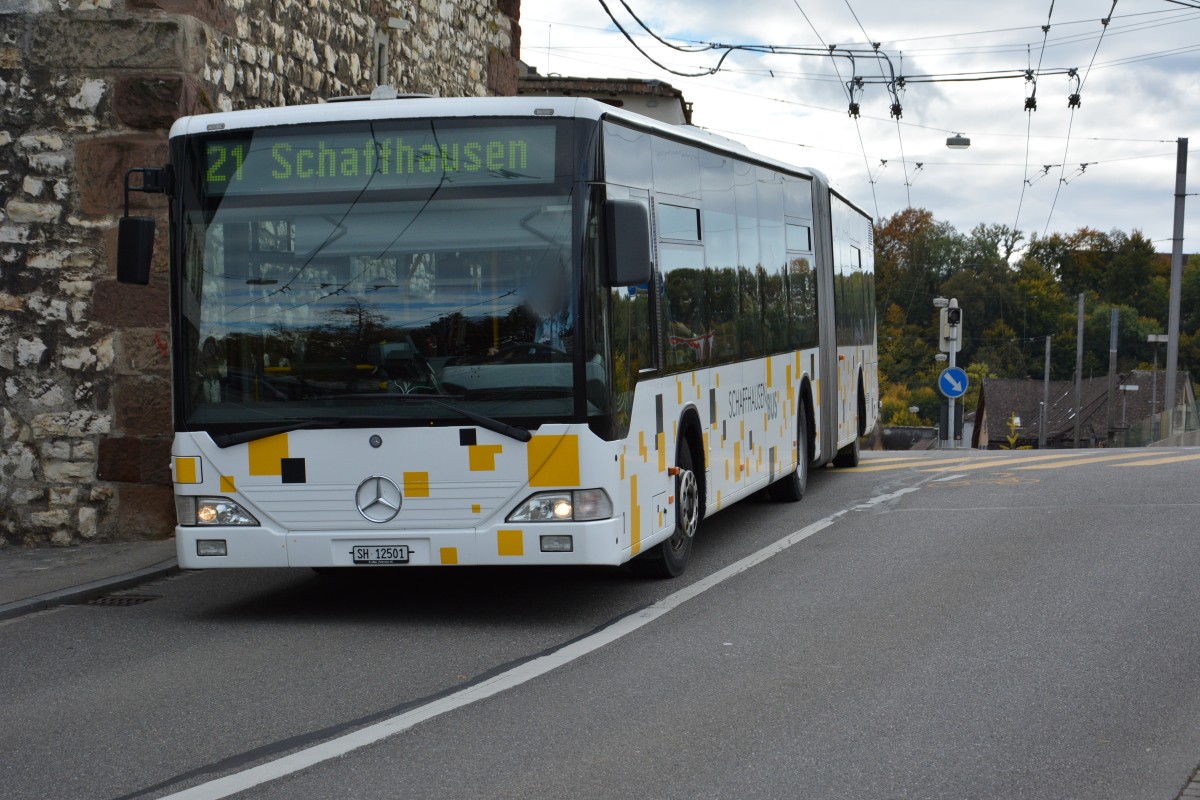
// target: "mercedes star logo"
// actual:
[[378, 499]]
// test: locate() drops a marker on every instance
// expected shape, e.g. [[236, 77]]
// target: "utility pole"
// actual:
[[1176, 282], [1045, 398], [1079, 371], [1114, 321]]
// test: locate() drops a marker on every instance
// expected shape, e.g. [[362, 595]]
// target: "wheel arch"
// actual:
[[808, 414], [691, 436]]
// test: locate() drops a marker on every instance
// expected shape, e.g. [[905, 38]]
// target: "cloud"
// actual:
[[1137, 99]]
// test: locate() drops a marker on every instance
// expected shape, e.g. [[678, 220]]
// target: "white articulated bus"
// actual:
[[528, 330]]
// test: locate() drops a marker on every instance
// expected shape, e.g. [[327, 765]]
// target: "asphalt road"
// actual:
[[1005, 626]]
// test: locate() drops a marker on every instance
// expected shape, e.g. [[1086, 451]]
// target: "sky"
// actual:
[[1109, 164]]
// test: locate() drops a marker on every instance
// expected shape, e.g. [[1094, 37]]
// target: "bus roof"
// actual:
[[532, 106]]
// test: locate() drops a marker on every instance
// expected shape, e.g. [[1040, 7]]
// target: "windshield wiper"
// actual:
[[224, 440], [487, 423]]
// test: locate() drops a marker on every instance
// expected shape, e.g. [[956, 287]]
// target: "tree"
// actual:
[[913, 254], [1127, 275], [904, 348]]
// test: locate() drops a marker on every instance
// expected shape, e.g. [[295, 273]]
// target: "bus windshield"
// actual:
[[377, 275]]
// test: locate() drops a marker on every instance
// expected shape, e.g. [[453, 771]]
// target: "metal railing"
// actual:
[[1178, 427]]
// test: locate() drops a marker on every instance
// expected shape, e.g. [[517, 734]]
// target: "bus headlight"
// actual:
[[193, 511], [579, 505]]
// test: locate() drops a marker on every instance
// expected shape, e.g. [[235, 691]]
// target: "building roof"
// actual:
[[1001, 398], [653, 98]]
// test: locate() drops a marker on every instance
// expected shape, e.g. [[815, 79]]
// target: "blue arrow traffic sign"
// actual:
[[953, 382]]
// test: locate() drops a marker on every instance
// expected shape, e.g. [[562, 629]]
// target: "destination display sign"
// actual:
[[307, 159]]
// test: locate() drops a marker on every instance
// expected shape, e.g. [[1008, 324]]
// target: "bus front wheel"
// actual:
[[669, 558]]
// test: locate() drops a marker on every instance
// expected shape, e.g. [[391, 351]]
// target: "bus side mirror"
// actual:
[[135, 235], [135, 247], [627, 236]]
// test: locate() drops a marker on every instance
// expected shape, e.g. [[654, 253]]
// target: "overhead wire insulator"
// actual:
[[1031, 104], [854, 110], [897, 110], [1073, 100]]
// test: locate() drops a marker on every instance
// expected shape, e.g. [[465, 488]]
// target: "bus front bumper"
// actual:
[[548, 543]]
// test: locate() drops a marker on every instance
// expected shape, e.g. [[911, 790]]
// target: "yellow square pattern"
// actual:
[[483, 456], [510, 543], [227, 484], [449, 555], [553, 460], [187, 469], [266, 454], [416, 484]]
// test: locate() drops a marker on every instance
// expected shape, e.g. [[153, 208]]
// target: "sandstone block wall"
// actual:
[[88, 89]]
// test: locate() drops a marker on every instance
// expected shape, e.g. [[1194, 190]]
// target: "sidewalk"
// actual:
[[43, 577]]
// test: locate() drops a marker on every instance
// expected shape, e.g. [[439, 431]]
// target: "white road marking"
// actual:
[[523, 673]]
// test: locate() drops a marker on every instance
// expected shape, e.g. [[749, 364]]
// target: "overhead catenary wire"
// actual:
[[862, 145], [1073, 104], [895, 115], [659, 44]]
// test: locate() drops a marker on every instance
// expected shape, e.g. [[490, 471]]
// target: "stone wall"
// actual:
[[89, 88]]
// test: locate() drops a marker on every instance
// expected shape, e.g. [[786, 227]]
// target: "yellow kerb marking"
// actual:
[[1156, 461], [553, 460], [1078, 460], [510, 543], [227, 484], [482, 457], [265, 455], [187, 469], [449, 555], [416, 484], [989, 463]]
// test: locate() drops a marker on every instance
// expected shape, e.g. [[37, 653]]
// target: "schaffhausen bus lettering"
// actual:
[[394, 157], [746, 399]]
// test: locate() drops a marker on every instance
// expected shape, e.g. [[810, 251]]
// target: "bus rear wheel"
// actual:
[[847, 456], [668, 559], [790, 489]]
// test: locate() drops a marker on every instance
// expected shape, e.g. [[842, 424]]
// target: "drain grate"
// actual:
[[122, 599]]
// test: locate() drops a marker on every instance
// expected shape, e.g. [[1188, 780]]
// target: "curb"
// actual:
[[87, 591]]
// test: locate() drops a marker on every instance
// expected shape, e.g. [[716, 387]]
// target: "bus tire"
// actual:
[[790, 489], [669, 558], [848, 456]]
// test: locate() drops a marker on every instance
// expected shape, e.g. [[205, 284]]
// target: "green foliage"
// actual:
[[1012, 299]]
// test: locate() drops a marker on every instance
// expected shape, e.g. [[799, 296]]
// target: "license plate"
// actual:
[[381, 554]]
